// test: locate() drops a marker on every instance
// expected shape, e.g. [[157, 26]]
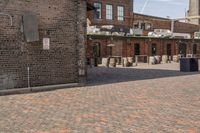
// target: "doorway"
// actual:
[[153, 49], [194, 51], [97, 53], [183, 49], [137, 49], [169, 49]]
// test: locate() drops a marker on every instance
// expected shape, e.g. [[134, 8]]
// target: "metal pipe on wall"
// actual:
[[11, 19]]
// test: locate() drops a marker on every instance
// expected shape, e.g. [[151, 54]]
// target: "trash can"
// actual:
[[189, 65]]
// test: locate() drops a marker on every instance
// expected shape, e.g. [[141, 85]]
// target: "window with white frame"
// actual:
[[120, 13], [109, 12], [98, 13]]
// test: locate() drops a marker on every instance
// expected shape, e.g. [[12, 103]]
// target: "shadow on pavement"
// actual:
[[103, 75]]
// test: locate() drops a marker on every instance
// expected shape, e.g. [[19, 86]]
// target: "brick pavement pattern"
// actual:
[[143, 99]]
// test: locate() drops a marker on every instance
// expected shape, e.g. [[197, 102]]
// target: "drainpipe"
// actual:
[[28, 70], [172, 26]]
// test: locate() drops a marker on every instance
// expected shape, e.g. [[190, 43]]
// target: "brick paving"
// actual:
[[143, 99]]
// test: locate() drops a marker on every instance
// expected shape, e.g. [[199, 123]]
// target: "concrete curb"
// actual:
[[37, 89]]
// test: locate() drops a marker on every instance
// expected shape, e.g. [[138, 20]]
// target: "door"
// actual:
[[169, 49], [194, 49], [137, 49], [153, 49], [96, 53]]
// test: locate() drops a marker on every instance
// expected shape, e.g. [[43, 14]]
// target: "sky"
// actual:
[[162, 8]]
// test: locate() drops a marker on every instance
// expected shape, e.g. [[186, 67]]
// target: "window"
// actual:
[[143, 26], [120, 13], [148, 26], [109, 12], [136, 25], [98, 10]]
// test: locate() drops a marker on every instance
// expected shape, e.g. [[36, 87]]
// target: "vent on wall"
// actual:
[[30, 27]]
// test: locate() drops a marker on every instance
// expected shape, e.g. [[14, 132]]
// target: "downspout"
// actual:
[[28, 73], [172, 26]]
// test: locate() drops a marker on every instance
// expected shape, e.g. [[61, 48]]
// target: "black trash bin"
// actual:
[[189, 65]]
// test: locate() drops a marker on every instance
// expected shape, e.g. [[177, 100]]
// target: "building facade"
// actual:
[[149, 23], [181, 41], [112, 12], [41, 43], [99, 46]]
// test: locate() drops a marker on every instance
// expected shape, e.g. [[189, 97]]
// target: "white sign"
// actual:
[[46, 43]]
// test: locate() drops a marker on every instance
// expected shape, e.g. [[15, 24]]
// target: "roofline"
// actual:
[[151, 16], [138, 37]]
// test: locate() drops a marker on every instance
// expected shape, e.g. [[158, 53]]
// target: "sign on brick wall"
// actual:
[[46, 43]]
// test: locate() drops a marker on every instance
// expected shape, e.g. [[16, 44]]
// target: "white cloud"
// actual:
[[163, 8]]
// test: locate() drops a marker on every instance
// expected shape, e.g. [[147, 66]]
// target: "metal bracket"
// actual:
[[11, 19]]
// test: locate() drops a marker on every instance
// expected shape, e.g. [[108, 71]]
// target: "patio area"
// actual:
[[140, 99]]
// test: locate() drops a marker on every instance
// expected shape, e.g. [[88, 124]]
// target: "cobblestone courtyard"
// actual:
[[141, 99]]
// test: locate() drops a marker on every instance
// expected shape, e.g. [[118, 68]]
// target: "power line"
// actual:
[[144, 6]]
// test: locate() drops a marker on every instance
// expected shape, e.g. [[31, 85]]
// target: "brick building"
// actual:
[[99, 46], [112, 12], [131, 46], [54, 52], [149, 23]]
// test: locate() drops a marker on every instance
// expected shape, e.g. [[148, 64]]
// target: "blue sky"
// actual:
[[163, 8]]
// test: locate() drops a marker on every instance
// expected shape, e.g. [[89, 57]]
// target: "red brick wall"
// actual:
[[163, 23], [128, 4], [125, 46], [57, 20]]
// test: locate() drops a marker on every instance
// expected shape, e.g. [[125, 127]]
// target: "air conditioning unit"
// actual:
[[196, 35], [92, 30], [136, 32], [160, 33]]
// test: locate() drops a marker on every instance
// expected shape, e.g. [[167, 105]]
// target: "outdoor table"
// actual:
[[137, 56]]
